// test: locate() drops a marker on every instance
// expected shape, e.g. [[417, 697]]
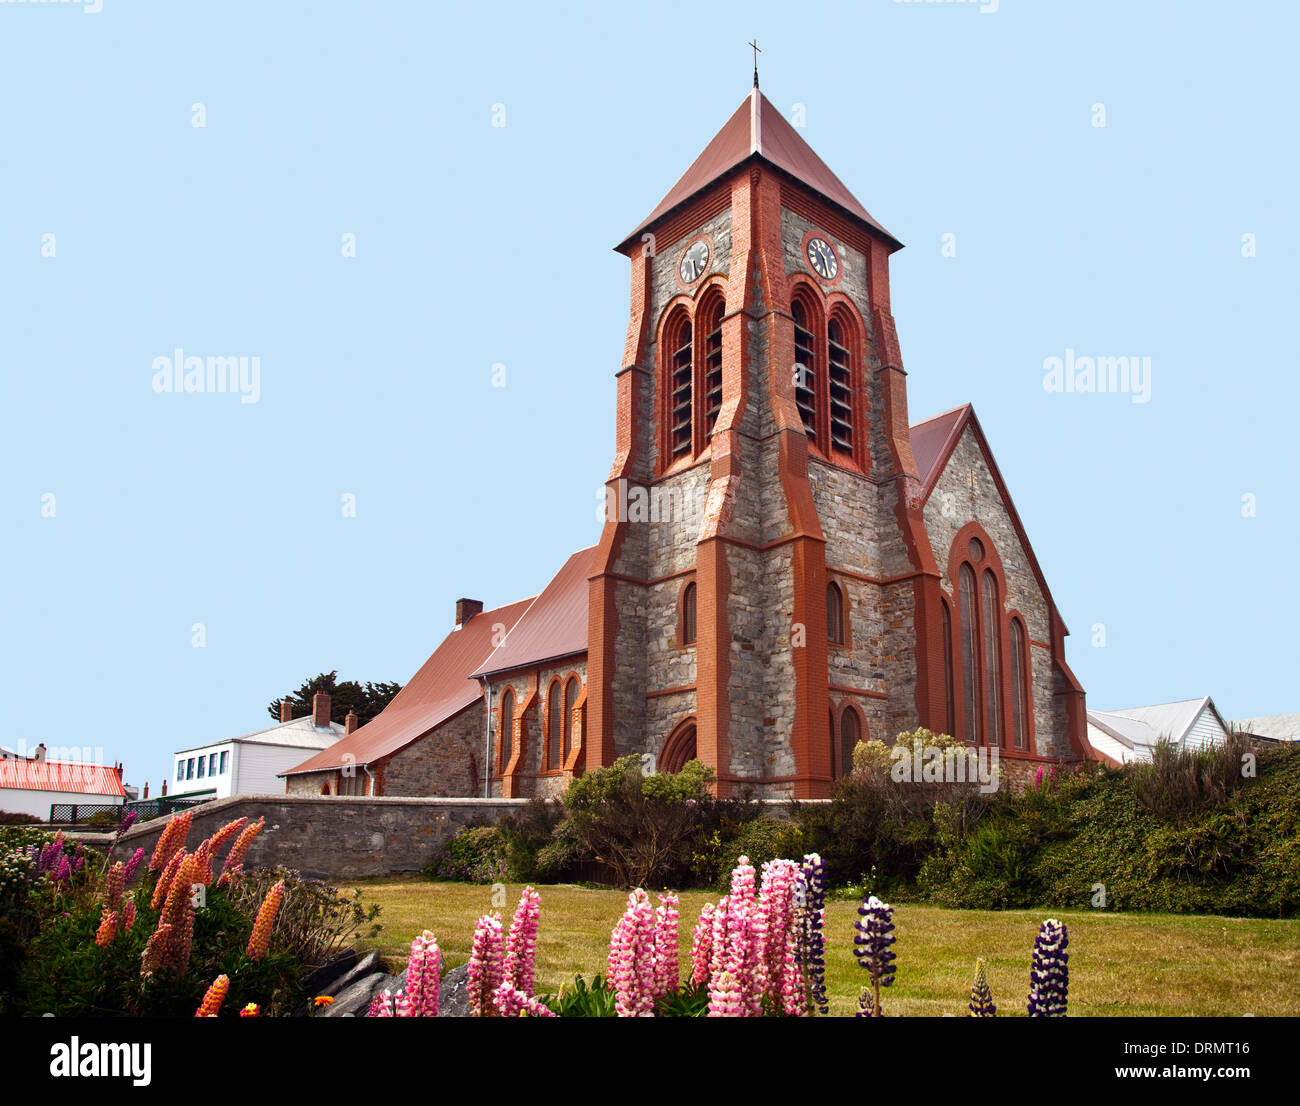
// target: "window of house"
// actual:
[[555, 739], [992, 661], [202, 764], [223, 763], [180, 769], [713, 363], [1019, 686], [840, 383], [969, 653], [834, 614], [688, 615], [681, 378], [571, 691], [805, 372], [507, 725], [212, 765], [189, 769]]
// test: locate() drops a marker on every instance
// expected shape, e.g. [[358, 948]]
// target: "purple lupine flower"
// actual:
[[1050, 976], [810, 948], [128, 821], [873, 936], [132, 865], [981, 994], [65, 871]]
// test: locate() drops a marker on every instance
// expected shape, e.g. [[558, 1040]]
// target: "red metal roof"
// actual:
[[440, 689], [554, 626], [61, 775], [757, 129], [933, 440]]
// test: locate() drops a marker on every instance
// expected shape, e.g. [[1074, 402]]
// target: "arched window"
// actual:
[[555, 725], [992, 661], [950, 700], [681, 374], [571, 690], [850, 735], [505, 735], [1019, 685], [834, 614], [712, 328], [969, 653], [688, 615], [806, 368], [840, 382], [678, 749]]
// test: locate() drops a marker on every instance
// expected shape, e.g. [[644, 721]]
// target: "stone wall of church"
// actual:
[[952, 504], [447, 761], [533, 778]]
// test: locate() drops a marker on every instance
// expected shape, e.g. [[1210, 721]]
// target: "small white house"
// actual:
[[1123, 736], [33, 786], [249, 764]]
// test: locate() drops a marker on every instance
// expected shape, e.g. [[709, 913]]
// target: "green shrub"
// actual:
[[761, 839], [475, 854], [529, 833]]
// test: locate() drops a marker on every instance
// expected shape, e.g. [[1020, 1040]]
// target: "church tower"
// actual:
[[764, 592]]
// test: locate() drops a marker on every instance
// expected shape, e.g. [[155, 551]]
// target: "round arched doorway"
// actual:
[[679, 748]]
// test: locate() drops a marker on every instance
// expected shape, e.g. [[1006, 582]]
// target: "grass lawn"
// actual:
[[1120, 964]]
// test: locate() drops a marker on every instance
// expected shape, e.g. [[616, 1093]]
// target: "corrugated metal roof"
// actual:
[[441, 688], [60, 775], [298, 733], [1144, 726], [554, 626], [758, 129], [932, 441]]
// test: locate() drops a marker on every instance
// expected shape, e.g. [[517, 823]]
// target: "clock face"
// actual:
[[822, 258], [694, 261]]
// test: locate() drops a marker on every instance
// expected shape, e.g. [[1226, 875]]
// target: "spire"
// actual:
[[757, 51]]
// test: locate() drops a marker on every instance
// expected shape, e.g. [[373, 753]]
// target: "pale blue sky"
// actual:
[[479, 245]]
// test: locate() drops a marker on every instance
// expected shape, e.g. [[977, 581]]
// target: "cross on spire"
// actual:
[[757, 51]]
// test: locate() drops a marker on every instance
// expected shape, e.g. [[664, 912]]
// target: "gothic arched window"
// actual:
[[571, 690], [850, 735], [834, 614], [968, 605], [806, 381], [950, 701], [1019, 685], [555, 726], [688, 615], [839, 378], [992, 624], [711, 327], [506, 730], [680, 373]]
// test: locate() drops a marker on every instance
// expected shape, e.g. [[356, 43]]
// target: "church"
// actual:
[[787, 566]]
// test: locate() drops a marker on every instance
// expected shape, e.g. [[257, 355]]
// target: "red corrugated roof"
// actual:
[[554, 626], [440, 689], [61, 775], [933, 440], [758, 129]]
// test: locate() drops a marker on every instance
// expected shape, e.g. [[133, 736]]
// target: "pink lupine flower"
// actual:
[[702, 945], [486, 964], [739, 950], [420, 998], [777, 902], [132, 865], [513, 1003], [632, 967], [666, 942], [128, 914], [382, 1006], [521, 942]]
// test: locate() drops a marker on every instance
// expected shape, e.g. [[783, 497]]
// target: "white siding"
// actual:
[[258, 765], [1205, 731], [18, 800], [1107, 745]]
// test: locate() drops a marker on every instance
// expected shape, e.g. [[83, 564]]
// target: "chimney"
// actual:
[[164, 790], [286, 709], [146, 790], [39, 754], [320, 709], [467, 609], [351, 721]]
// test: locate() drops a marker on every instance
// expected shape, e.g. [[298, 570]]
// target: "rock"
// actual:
[[354, 999], [326, 979], [453, 993], [367, 965]]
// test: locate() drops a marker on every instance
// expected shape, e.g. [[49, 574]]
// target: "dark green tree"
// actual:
[[366, 699]]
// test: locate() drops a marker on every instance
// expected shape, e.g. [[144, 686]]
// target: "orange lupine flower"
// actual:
[[113, 886], [165, 880], [172, 838], [128, 915], [235, 860], [261, 938], [250, 1011], [107, 928], [214, 998]]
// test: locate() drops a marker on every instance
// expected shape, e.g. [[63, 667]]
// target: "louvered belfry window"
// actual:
[[713, 365], [680, 400], [840, 379], [805, 376]]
